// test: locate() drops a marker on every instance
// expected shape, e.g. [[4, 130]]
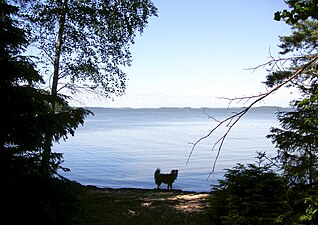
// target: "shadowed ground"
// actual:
[[143, 206]]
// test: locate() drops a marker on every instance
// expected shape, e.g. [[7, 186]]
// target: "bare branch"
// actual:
[[276, 62], [210, 117], [232, 120]]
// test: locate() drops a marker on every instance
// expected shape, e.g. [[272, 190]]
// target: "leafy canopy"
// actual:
[[296, 140], [297, 137], [300, 10], [27, 116], [95, 43], [27, 110]]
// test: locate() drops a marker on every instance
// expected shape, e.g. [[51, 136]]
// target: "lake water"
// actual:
[[123, 147]]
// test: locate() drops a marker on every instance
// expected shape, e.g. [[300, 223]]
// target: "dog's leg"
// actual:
[[158, 185]]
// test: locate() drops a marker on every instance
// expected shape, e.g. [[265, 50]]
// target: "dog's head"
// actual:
[[174, 173]]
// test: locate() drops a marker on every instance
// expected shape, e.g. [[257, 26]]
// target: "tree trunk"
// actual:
[[58, 48], [45, 163]]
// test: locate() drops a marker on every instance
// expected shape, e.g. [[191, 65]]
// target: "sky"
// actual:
[[197, 51]]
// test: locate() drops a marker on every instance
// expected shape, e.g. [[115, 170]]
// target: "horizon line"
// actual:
[[177, 107]]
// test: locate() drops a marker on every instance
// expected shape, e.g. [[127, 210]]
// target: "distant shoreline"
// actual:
[[171, 108]]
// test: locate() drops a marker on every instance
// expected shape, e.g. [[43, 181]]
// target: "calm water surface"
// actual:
[[123, 147]]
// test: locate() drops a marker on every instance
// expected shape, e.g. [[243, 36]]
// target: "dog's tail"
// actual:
[[157, 173]]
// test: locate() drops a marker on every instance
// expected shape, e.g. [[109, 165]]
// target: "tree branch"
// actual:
[[232, 120]]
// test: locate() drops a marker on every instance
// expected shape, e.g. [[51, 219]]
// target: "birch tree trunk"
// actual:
[[45, 163]]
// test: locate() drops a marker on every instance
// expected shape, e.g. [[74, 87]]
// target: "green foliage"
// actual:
[[296, 144], [12, 38], [252, 194], [311, 205], [300, 10], [255, 194], [96, 38], [276, 78], [297, 152], [83, 45], [296, 138], [28, 113], [302, 45], [29, 196], [304, 38]]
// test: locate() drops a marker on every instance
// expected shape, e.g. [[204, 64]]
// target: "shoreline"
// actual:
[[143, 206], [145, 189]]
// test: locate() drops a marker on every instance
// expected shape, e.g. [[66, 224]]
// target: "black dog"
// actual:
[[165, 178]]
